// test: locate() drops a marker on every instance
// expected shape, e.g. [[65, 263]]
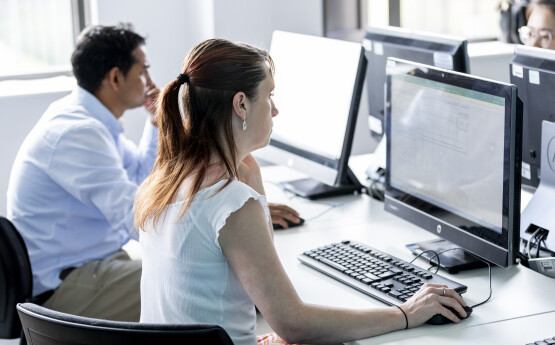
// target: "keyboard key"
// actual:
[[394, 293], [333, 264], [386, 275], [372, 276]]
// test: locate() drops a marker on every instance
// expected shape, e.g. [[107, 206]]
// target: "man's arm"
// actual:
[[87, 164]]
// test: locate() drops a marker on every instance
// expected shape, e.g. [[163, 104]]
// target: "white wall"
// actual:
[[253, 21], [171, 28]]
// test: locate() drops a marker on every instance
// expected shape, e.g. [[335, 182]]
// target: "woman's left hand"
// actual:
[[281, 213]]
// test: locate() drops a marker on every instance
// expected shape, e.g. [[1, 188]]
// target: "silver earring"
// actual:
[[245, 124]]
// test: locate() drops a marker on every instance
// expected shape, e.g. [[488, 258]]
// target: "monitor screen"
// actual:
[[453, 154], [533, 72], [433, 49], [318, 83]]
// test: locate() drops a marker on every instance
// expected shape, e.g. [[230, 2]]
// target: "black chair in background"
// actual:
[[43, 326], [16, 279]]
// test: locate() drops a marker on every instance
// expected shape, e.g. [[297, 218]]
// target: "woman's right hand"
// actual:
[[431, 300]]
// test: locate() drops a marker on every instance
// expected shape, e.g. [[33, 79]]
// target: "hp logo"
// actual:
[[438, 228]]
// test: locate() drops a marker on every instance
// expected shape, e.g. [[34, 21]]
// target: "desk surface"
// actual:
[[519, 294]]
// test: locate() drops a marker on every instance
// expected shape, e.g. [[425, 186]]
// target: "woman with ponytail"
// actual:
[[208, 254]]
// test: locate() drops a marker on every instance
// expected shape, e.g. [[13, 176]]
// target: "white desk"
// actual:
[[523, 330], [519, 294]]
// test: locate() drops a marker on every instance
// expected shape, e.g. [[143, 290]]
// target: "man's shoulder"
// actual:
[[62, 119]]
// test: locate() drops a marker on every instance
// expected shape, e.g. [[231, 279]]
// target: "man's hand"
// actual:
[[151, 96]]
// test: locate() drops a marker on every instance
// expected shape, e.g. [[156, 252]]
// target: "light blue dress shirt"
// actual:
[[72, 186]]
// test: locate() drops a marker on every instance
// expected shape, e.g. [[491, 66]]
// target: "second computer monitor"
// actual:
[[438, 50], [318, 84], [453, 157]]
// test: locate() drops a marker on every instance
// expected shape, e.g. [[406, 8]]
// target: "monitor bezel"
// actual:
[[438, 220]]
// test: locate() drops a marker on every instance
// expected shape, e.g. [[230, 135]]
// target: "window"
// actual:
[[473, 19], [37, 36]]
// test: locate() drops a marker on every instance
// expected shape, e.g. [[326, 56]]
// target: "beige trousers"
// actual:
[[104, 289]]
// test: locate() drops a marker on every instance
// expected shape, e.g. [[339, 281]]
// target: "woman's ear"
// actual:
[[240, 105]]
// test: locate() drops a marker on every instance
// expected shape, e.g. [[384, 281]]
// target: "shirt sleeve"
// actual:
[[231, 199], [139, 160], [86, 162]]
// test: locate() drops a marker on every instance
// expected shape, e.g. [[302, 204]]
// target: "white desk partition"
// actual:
[[518, 293]]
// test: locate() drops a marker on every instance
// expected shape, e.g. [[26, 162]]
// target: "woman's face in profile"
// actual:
[[261, 114], [542, 28]]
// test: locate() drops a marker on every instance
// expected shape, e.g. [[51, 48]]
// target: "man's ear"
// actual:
[[240, 105], [114, 78]]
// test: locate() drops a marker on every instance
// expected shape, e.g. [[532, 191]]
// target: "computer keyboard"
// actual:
[[373, 272], [548, 341]]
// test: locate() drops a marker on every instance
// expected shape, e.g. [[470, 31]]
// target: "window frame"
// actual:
[[81, 18]]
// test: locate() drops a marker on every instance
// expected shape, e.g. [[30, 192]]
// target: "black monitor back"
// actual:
[[437, 50], [533, 72]]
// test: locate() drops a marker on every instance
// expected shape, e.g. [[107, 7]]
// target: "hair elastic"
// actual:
[[406, 318], [182, 78]]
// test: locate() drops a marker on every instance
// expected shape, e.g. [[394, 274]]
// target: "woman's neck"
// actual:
[[215, 172]]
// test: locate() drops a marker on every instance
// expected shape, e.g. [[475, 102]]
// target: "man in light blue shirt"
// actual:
[[73, 182]]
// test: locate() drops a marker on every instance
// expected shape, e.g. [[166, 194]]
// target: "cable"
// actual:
[[437, 254], [530, 241], [490, 289], [429, 259], [331, 207]]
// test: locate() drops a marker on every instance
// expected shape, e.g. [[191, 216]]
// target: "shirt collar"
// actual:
[[97, 110]]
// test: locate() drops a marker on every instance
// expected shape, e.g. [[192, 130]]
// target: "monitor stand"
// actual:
[[312, 189], [452, 261]]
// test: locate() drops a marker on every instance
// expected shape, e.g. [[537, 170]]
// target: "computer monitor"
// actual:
[[318, 84], [533, 72], [453, 157], [448, 52]]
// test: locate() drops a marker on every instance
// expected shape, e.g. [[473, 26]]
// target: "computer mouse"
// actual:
[[439, 319], [290, 223]]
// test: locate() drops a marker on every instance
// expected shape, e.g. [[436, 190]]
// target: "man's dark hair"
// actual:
[[99, 49]]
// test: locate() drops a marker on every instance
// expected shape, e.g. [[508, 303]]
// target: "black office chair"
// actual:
[[43, 326], [16, 279]]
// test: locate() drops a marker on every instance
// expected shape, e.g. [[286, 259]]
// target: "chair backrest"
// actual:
[[16, 279], [43, 326]]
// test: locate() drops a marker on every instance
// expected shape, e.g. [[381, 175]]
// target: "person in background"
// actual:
[[513, 14], [541, 25], [72, 185], [208, 253]]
